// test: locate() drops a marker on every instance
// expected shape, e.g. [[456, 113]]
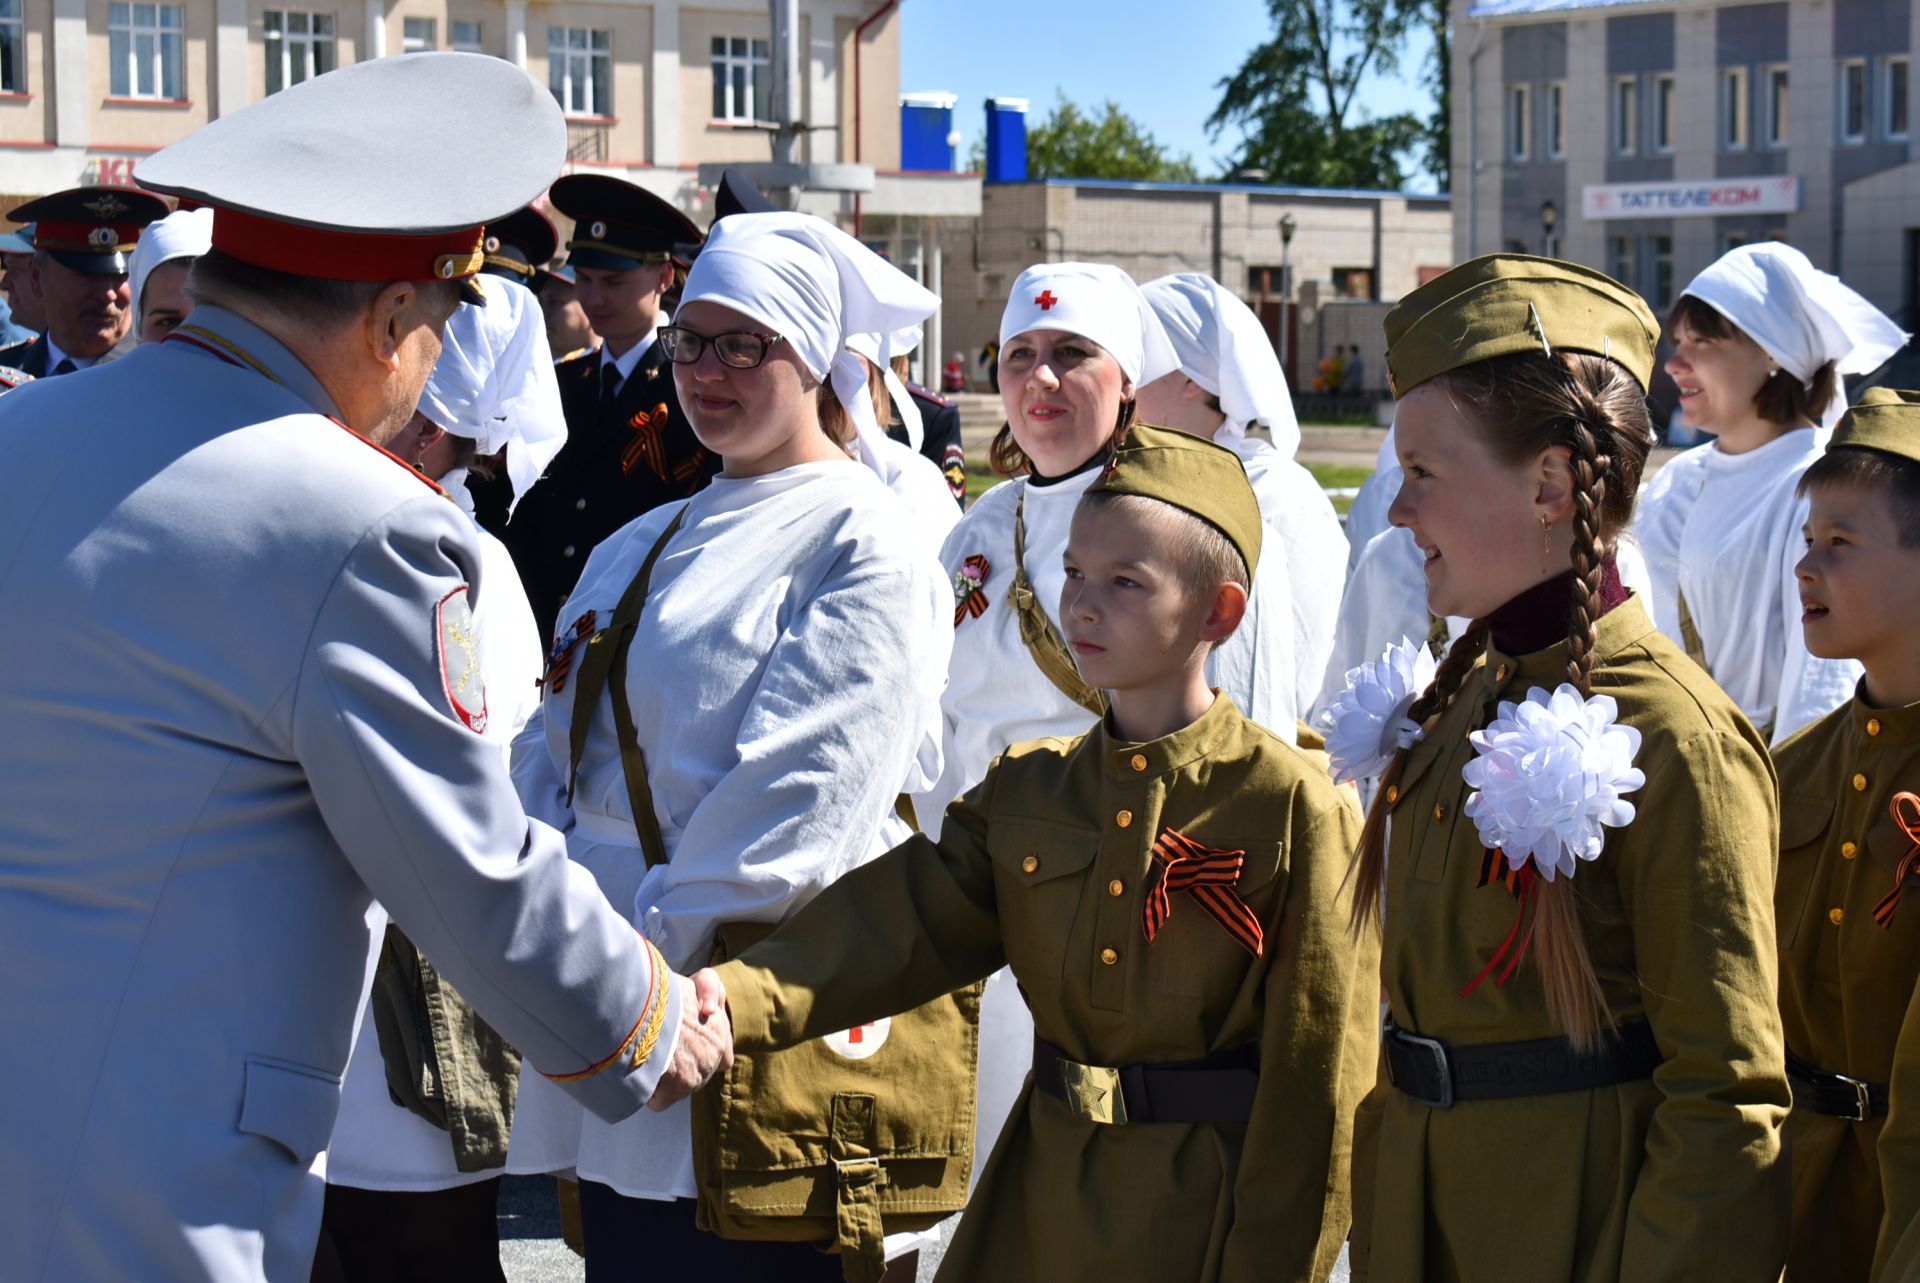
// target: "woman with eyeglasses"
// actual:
[[784, 679]]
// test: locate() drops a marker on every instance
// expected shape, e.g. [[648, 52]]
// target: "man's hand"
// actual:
[[705, 1045]]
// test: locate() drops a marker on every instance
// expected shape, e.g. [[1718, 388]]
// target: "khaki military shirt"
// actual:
[[1845, 981], [1669, 1178], [1045, 866]]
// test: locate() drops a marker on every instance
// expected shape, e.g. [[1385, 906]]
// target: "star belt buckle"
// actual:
[[1093, 1092]]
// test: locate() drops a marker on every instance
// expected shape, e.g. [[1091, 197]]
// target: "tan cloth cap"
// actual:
[[1505, 304], [1884, 419], [1193, 475]]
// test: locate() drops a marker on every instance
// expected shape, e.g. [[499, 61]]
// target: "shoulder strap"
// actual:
[[604, 668], [1042, 639]]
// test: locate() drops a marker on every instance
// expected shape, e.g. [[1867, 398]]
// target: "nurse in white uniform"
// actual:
[[794, 641], [1761, 338]]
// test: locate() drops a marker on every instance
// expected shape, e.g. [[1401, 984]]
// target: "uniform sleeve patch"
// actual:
[[458, 645]]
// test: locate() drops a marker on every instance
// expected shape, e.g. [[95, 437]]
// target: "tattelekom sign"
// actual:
[[1772, 194]]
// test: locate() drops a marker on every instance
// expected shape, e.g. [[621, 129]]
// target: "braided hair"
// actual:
[[1521, 405]]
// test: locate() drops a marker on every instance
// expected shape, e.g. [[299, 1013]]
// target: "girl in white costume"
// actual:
[[493, 386], [1760, 340], [1076, 340], [1229, 380], [914, 479], [784, 687]]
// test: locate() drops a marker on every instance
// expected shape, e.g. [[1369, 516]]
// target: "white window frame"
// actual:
[[1622, 251], [1556, 120], [1662, 94], [1894, 123], [1623, 116], [414, 40], [146, 38], [13, 47], [1776, 107], [1519, 123], [1846, 73], [459, 40], [288, 50], [580, 70], [741, 64], [1736, 108]]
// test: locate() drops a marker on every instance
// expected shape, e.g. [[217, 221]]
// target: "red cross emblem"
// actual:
[[1046, 300], [858, 1034]]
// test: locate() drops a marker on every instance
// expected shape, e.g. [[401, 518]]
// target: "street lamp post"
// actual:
[[1287, 226], [1549, 219]]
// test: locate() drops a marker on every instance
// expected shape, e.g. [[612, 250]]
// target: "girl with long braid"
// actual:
[[1570, 855]]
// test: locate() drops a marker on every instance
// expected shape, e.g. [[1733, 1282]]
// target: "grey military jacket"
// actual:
[[235, 706]]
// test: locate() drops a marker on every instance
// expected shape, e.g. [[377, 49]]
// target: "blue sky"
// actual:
[[1161, 61]]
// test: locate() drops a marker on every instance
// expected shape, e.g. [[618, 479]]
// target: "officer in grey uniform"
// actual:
[[239, 684]]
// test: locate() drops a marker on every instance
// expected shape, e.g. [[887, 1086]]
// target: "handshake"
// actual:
[[704, 1046]]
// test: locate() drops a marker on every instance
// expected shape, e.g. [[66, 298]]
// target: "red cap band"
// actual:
[[346, 256], [85, 238]]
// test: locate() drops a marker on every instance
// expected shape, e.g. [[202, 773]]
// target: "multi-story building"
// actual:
[[652, 89], [1646, 139]]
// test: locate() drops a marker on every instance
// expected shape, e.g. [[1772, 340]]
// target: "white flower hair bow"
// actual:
[[1368, 722]]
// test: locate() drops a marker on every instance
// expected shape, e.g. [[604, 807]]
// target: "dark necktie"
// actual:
[[66, 366], [609, 383]]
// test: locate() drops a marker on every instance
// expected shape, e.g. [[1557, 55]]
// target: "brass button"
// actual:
[[1500, 673], [1873, 726], [1859, 783], [1834, 916], [1848, 850], [1031, 864], [1393, 794], [1124, 819], [1139, 761], [1111, 956], [1116, 887], [1439, 812]]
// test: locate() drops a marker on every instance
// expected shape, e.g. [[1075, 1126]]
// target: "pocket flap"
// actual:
[[1035, 851], [292, 1105], [1803, 819]]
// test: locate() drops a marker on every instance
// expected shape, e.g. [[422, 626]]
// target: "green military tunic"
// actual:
[[1674, 1177], [1897, 1258], [1845, 982], [1045, 866]]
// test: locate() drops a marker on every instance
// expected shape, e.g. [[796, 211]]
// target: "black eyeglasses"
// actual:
[[740, 349]]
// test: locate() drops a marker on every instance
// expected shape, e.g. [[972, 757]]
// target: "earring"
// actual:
[[1546, 539]]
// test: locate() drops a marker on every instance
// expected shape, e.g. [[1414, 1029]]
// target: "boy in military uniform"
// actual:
[[1167, 889], [1849, 825]]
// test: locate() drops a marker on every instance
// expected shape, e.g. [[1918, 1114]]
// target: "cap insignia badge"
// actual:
[[105, 206], [103, 238], [598, 231]]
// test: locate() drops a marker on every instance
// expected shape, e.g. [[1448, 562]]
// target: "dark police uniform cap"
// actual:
[[90, 229], [560, 270], [617, 225], [518, 244], [317, 181], [735, 195]]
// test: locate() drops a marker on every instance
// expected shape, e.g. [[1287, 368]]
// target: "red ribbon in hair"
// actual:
[[1207, 875], [1906, 813]]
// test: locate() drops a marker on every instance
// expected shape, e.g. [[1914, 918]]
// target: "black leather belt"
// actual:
[[1436, 1074], [1835, 1095], [1216, 1089]]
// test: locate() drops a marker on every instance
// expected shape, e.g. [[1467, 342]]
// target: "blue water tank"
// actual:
[[926, 132], [1006, 140]]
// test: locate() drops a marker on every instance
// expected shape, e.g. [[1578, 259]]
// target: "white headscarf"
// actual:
[[1222, 346], [494, 382], [880, 349], [1801, 316], [810, 282], [185, 233], [1096, 301]]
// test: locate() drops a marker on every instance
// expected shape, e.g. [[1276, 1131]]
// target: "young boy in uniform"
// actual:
[[1168, 891], [1849, 828]]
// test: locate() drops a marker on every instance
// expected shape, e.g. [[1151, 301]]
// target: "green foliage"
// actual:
[[1293, 97], [1071, 143]]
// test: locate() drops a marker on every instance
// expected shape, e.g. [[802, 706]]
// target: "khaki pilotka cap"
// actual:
[[1884, 419], [1504, 304], [1194, 476]]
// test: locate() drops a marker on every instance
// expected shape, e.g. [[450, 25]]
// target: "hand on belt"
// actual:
[[1215, 1089]]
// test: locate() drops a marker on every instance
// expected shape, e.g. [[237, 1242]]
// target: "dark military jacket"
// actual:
[[619, 461], [940, 442], [29, 357]]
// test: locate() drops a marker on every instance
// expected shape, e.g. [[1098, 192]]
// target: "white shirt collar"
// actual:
[[635, 354]]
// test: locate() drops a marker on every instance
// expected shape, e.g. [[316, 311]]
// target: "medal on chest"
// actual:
[[560, 659]]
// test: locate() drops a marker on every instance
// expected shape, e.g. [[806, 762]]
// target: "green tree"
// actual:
[[1072, 143], [1293, 97]]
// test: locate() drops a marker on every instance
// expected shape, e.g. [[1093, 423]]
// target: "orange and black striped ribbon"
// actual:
[[1525, 885], [560, 662], [691, 466], [974, 604], [1906, 813], [649, 441], [1207, 875]]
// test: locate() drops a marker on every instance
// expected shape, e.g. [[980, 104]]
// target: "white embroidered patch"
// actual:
[[860, 1041], [458, 644]]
